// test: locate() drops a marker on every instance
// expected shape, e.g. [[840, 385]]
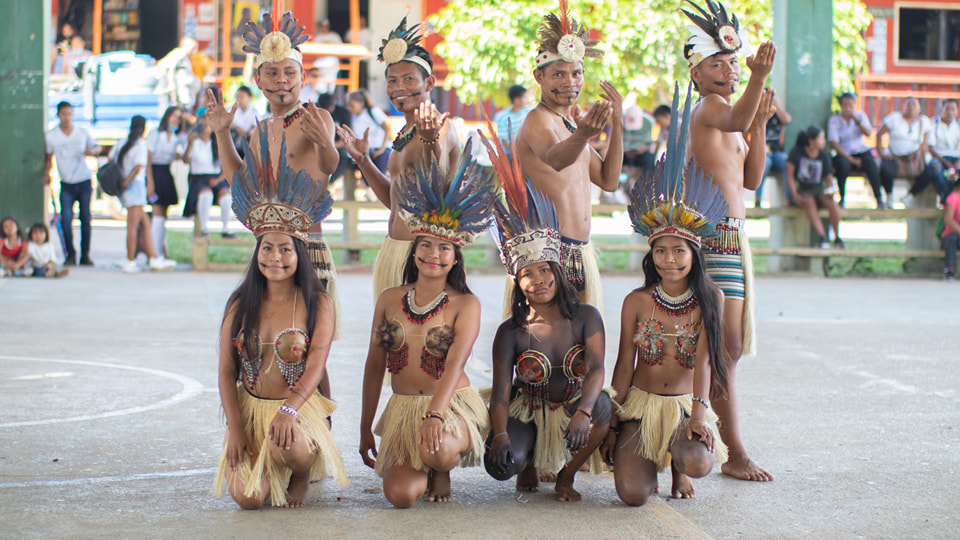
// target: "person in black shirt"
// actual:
[[776, 157], [811, 183]]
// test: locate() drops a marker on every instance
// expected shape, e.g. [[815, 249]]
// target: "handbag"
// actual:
[[110, 178]]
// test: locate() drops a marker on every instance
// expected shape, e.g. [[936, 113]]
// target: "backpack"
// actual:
[[110, 178]]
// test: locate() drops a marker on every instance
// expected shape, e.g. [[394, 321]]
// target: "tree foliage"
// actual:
[[490, 44]]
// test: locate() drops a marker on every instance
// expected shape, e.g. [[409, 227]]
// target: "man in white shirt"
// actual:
[[71, 144], [246, 118], [311, 91], [944, 146]]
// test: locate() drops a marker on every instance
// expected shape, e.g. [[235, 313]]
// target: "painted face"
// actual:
[[538, 282], [280, 81], [406, 86], [672, 257], [560, 82], [434, 257], [719, 74], [277, 257]]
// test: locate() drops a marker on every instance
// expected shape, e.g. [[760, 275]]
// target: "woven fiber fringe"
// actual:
[[659, 418], [256, 415], [593, 291], [388, 269], [749, 321], [322, 260], [399, 428]]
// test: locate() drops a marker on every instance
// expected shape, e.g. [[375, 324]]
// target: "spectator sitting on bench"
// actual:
[[776, 157], [906, 148], [950, 237], [944, 147], [810, 179], [845, 131]]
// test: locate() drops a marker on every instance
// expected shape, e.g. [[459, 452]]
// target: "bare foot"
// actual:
[[297, 491], [682, 486], [564, 487], [744, 468], [547, 477], [527, 479], [438, 487]]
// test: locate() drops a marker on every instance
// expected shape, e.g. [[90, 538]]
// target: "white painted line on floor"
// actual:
[[190, 388], [108, 479]]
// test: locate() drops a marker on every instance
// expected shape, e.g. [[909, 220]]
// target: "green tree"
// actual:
[[491, 44]]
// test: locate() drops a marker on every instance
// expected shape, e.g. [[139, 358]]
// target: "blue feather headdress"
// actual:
[[527, 227], [454, 206], [277, 201], [402, 45], [673, 200], [276, 39]]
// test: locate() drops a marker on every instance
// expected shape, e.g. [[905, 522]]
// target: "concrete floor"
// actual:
[[111, 423]]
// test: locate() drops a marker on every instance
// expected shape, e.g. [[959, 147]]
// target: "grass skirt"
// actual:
[[388, 270], [749, 321], [550, 452], [659, 417], [256, 415], [399, 428]]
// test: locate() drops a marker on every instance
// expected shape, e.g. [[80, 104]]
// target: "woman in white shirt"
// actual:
[[908, 132], [206, 178], [164, 146], [131, 155], [364, 116]]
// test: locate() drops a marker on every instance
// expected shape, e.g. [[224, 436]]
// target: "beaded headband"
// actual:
[[713, 33], [671, 200], [276, 39], [527, 227], [402, 45], [277, 201], [563, 38], [453, 208]]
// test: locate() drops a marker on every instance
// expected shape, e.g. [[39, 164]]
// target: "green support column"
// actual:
[[24, 64], [803, 79]]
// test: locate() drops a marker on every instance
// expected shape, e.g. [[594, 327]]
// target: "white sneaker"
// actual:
[[161, 264], [906, 200], [130, 267]]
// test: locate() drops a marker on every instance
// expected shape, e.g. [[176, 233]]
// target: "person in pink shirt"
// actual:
[[950, 238]]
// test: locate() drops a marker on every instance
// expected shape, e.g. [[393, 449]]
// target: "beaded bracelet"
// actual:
[[433, 414], [425, 142], [701, 400], [286, 409]]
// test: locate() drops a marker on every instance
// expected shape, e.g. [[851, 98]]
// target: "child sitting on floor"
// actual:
[[43, 258]]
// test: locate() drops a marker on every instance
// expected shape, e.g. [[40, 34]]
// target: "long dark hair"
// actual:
[[710, 298], [566, 299], [456, 278], [248, 295], [165, 120], [807, 136], [137, 125]]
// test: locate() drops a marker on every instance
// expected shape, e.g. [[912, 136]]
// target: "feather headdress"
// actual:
[[712, 33], [563, 38], [268, 200], [454, 206], [276, 39], [402, 45], [673, 200], [527, 228]]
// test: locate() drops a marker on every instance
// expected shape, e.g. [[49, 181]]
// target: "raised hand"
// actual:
[[595, 120], [765, 110], [429, 121], [611, 95], [357, 148], [761, 63], [316, 126], [218, 117]]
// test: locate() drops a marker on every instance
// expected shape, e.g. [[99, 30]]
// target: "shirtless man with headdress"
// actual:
[[717, 143], [409, 82], [308, 130], [553, 150]]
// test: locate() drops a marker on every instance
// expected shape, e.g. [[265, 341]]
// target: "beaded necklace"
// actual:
[[421, 314], [674, 305], [289, 118], [571, 127], [401, 140]]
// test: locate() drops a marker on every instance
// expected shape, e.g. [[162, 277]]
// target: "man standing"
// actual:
[[71, 144], [553, 148], [716, 143], [508, 120], [410, 79]]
